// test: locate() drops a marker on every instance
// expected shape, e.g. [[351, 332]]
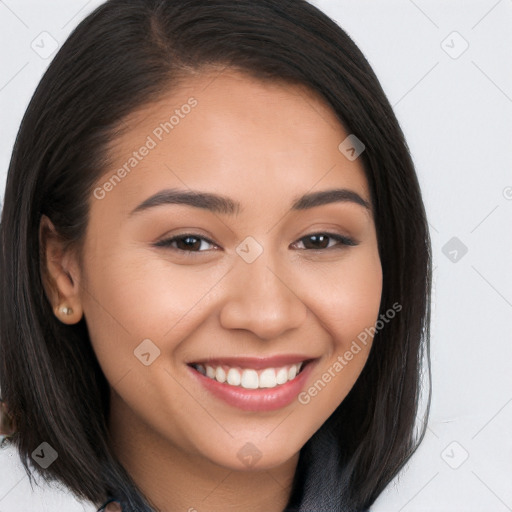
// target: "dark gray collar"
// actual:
[[320, 484]]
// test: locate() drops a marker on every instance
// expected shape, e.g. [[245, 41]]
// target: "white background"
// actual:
[[456, 112]]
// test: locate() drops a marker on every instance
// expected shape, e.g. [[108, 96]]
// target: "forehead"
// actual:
[[227, 132]]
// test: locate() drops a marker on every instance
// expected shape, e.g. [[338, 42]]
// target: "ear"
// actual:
[[60, 274]]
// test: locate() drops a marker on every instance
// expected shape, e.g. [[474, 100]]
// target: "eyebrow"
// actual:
[[224, 205]]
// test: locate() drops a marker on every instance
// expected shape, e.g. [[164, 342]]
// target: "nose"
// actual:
[[261, 299]]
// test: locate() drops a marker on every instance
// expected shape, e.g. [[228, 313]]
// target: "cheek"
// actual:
[[346, 306], [346, 297], [132, 296]]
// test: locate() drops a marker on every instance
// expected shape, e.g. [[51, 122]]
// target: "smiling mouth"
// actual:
[[250, 378]]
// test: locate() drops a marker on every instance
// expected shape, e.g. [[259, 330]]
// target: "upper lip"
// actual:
[[256, 363]]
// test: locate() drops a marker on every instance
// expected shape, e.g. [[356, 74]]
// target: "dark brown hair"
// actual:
[[124, 55]]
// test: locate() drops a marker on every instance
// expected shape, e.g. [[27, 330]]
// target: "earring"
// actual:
[[65, 314], [65, 310]]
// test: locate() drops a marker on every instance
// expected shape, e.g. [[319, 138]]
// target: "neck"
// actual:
[[174, 480]]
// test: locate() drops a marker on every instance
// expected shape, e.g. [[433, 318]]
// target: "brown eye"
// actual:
[[319, 241], [192, 243], [186, 243]]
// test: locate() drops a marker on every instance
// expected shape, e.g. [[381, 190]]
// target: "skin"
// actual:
[[178, 442]]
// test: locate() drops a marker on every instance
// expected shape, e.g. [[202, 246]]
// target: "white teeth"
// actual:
[[282, 375], [234, 377], [220, 374], [268, 379], [249, 378]]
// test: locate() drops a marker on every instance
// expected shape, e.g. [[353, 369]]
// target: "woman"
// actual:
[[278, 366]]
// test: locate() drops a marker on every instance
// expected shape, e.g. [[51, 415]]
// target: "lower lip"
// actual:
[[265, 399]]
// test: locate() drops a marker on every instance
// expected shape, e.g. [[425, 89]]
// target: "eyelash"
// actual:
[[343, 241]]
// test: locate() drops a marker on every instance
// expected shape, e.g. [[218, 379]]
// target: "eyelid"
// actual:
[[343, 241], [165, 242]]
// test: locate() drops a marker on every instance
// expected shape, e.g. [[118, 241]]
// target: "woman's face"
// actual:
[[254, 282]]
